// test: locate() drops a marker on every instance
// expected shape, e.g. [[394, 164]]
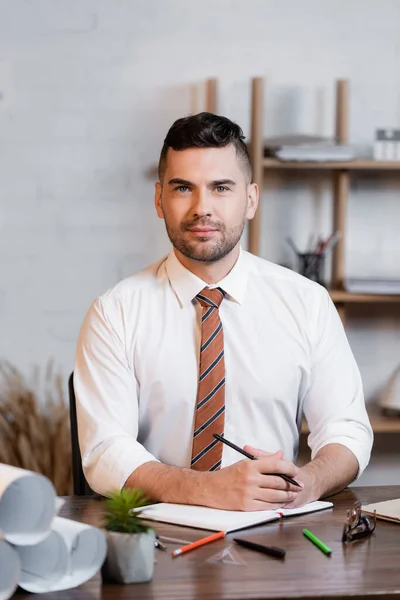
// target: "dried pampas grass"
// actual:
[[34, 426]]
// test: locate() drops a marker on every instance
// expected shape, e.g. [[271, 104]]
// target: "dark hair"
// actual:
[[204, 130]]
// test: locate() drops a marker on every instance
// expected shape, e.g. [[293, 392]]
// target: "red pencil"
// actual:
[[202, 542]]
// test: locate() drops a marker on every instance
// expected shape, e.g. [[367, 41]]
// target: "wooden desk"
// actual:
[[362, 569]]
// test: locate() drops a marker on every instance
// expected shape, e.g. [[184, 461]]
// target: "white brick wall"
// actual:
[[88, 89]]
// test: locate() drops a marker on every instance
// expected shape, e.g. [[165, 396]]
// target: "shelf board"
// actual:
[[352, 165], [379, 423], [347, 297]]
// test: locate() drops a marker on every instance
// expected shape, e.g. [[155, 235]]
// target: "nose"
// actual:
[[201, 202]]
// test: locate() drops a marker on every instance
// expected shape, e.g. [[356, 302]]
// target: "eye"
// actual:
[[182, 188], [221, 189]]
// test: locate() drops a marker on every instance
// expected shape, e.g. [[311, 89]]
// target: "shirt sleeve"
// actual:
[[107, 402], [334, 405]]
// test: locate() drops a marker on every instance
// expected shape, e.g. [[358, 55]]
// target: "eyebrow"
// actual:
[[178, 181], [215, 183]]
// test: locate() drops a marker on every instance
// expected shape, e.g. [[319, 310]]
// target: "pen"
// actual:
[[325, 549], [159, 544], [202, 542], [292, 245], [270, 550], [252, 457], [164, 538], [330, 242]]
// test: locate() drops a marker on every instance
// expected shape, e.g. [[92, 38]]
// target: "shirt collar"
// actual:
[[187, 285]]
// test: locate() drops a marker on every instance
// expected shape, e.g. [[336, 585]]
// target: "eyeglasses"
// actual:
[[357, 525]]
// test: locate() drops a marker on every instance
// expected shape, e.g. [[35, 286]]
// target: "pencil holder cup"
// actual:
[[311, 265]]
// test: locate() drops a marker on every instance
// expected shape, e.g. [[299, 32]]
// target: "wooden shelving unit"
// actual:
[[211, 93], [351, 165], [379, 423], [340, 173], [339, 296]]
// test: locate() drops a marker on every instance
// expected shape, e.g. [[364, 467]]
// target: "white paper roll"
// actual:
[[27, 505], [43, 565], [9, 570], [87, 548], [71, 555]]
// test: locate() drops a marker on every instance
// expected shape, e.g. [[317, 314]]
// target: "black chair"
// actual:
[[81, 486]]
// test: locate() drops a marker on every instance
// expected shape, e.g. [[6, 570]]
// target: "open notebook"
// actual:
[[389, 510], [215, 519]]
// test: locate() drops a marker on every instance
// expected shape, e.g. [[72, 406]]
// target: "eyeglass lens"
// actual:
[[357, 525]]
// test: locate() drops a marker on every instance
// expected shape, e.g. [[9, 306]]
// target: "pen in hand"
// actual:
[[222, 439]]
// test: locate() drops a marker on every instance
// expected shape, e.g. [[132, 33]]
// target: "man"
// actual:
[[212, 339]]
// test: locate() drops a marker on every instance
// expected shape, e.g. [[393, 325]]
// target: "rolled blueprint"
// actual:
[[9, 570], [69, 556], [27, 505]]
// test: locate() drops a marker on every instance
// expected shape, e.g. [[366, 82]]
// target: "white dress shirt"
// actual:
[[136, 369]]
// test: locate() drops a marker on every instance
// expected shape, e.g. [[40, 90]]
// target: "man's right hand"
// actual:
[[246, 486]]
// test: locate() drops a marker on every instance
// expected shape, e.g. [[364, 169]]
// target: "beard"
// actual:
[[204, 249]]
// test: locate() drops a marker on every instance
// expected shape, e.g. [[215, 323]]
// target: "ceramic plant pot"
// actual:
[[130, 557]]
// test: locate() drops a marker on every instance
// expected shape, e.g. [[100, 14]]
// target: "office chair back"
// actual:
[[81, 486]]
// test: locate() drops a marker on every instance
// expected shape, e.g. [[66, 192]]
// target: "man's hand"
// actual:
[[333, 467], [303, 478], [246, 484]]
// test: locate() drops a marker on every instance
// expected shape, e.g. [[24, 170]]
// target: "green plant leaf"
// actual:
[[121, 514]]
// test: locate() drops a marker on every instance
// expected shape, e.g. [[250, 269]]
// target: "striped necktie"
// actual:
[[210, 404]]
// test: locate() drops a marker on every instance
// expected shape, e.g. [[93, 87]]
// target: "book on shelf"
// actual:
[[389, 399], [301, 147], [372, 285]]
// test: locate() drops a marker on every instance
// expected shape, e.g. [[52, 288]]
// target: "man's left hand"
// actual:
[[306, 479]]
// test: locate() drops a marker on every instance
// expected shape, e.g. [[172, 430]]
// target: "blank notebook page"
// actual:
[[215, 519]]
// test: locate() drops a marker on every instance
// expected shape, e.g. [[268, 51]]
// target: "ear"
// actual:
[[157, 200], [252, 200]]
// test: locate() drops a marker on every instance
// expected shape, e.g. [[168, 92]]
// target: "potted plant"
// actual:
[[130, 543]]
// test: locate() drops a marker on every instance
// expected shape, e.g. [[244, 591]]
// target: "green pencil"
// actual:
[[317, 542]]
